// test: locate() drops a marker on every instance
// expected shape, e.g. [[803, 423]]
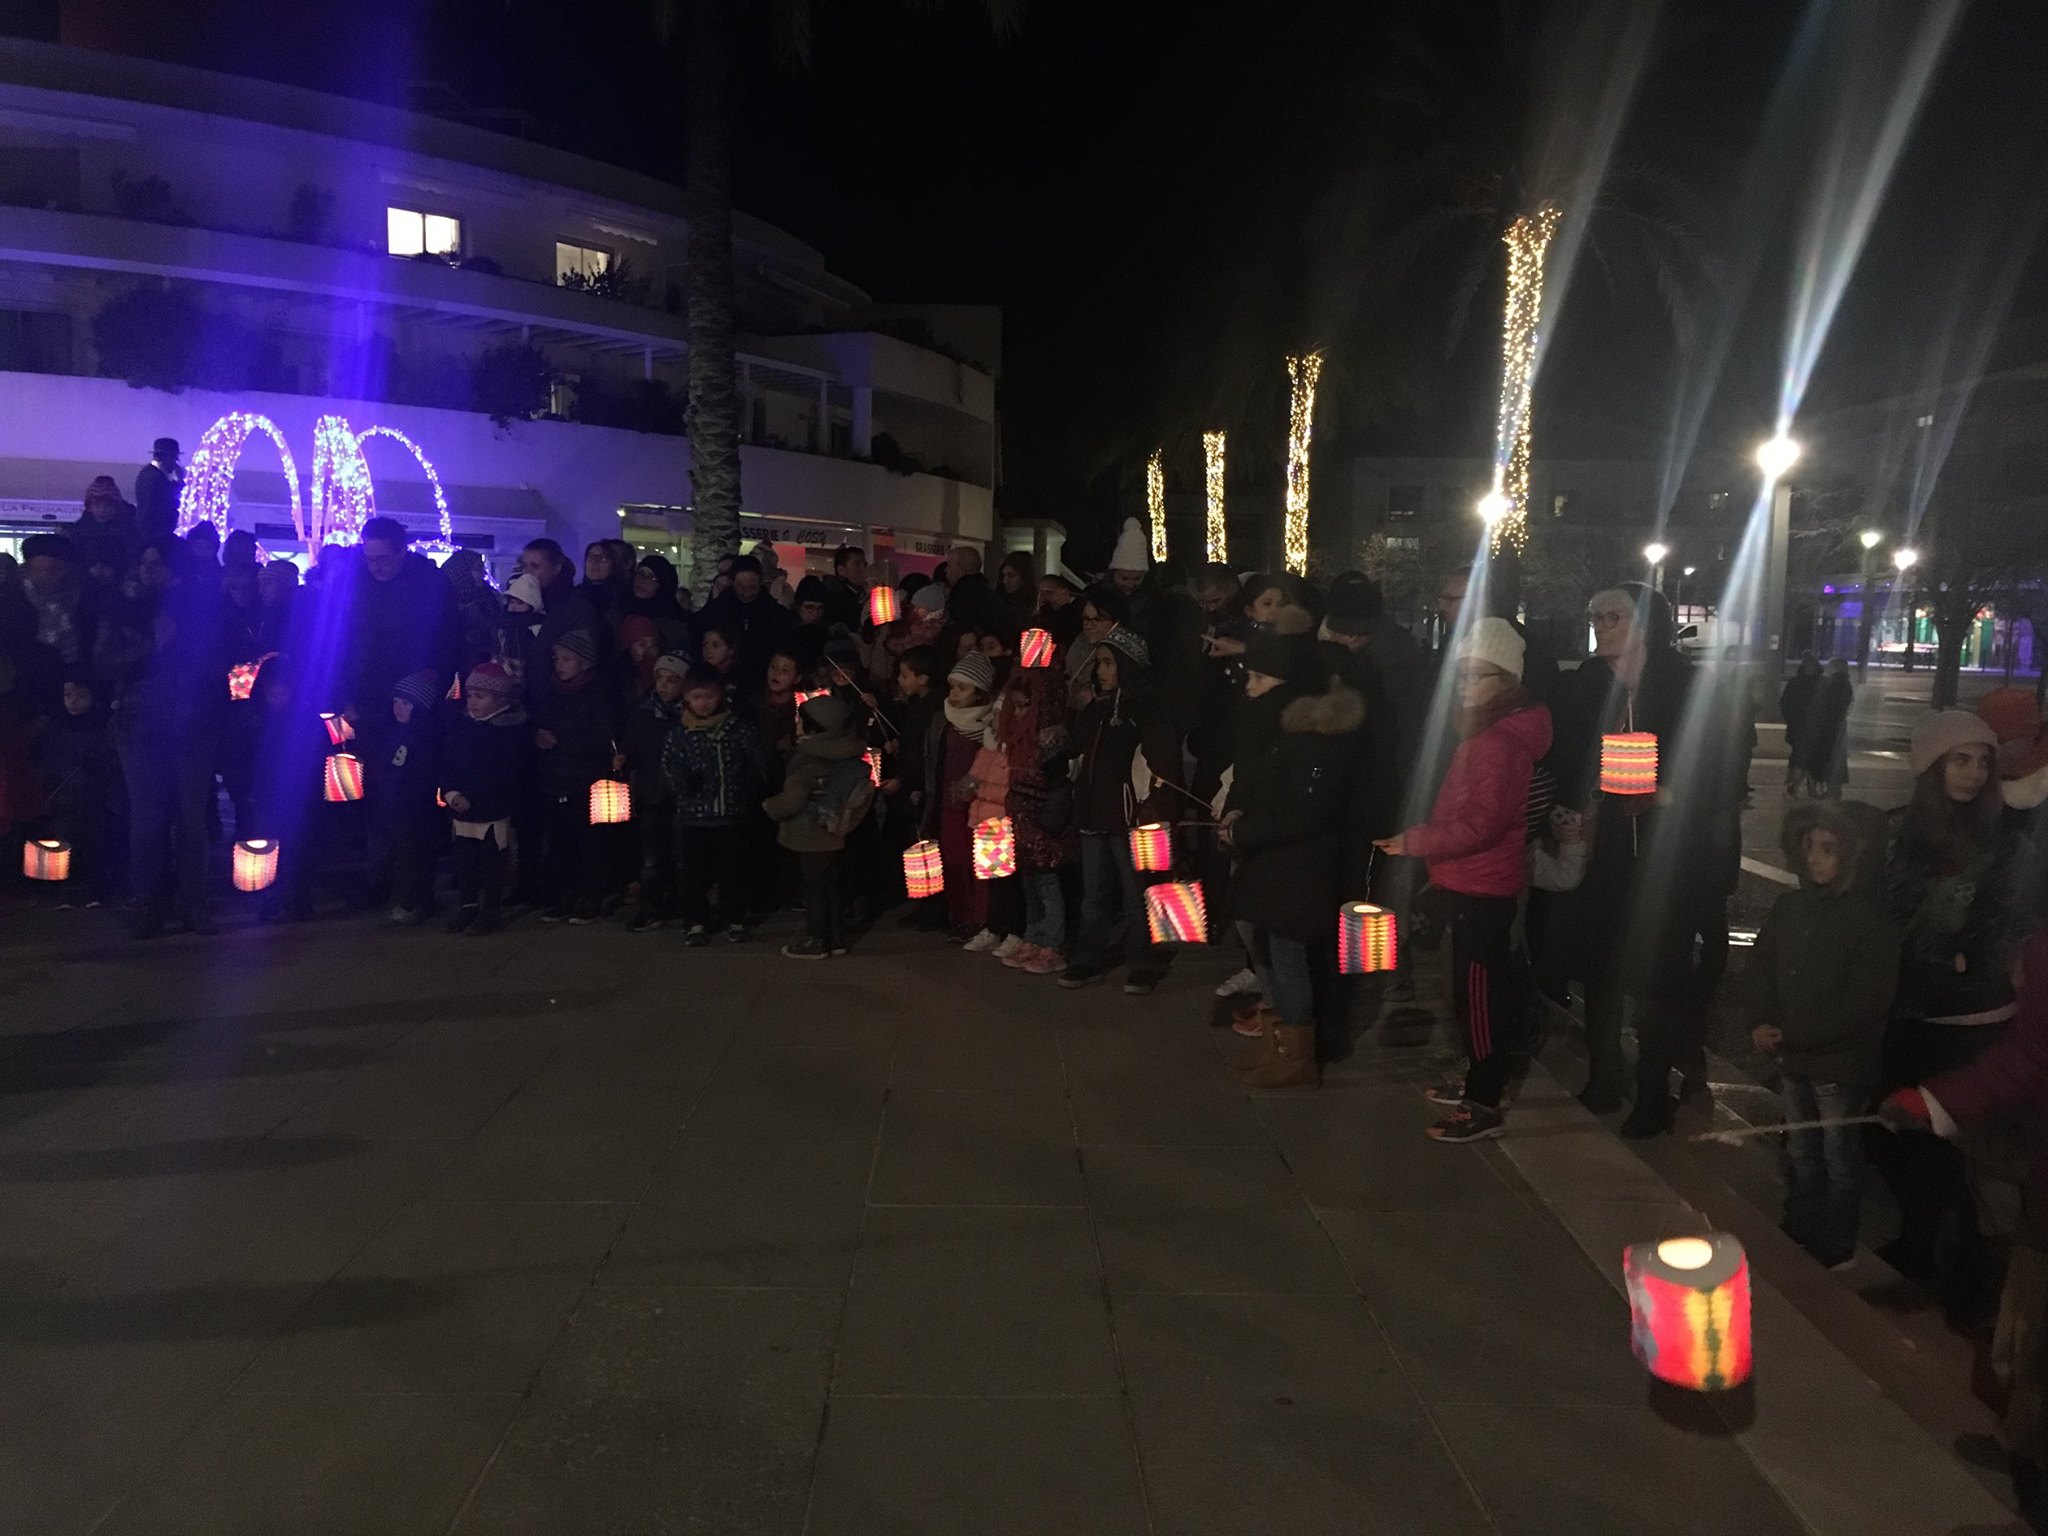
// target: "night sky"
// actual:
[[1168, 195]]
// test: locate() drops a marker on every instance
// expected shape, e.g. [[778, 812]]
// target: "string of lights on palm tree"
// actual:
[[1212, 483], [1155, 502], [1507, 504], [1302, 373]]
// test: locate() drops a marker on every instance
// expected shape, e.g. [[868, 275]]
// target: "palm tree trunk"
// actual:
[[712, 410]]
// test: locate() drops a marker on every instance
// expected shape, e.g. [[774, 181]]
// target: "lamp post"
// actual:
[[1905, 560], [1654, 553], [1776, 458], [1869, 538]]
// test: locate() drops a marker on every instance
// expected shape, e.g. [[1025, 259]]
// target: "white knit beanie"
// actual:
[[1132, 552], [1495, 642], [526, 587], [1942, 732]]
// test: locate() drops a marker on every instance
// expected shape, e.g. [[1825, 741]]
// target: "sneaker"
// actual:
[[840, 949], [1468, 1122], [555, 915], [1140, 983], [1044, 962], [1010, 945], [1019, 957], [583, 917], [803, 949], [1244, 982], [738, 933], [982, 942], [1446, 1095], [959, 935], [694, 935], [1080, 976], [463, 917], [647, 922]]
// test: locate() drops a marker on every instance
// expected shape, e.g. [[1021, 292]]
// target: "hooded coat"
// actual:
[[1109, 732], [815, 758], [487, 761], [1477, 834], [1826, 962], [1293, 794]]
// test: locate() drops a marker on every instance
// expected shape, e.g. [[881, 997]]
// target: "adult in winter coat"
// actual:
[[157, 487], [1631, 925], [753, 620], [1795, 708], [1821, 981], [1958, 887], [1286, 804], [1123, 717], [106, 533], [399, 617], [1823, 750], [563, 608], [1476, 843], [655, 584]]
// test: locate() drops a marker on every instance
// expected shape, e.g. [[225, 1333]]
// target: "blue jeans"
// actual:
[[1045, 909], [1109, 886], [1824, 1169], [1294, 984]]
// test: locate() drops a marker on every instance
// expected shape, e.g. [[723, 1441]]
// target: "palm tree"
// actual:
[[711, 412]]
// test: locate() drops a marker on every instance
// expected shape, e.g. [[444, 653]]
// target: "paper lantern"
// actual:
[[455, 689], [255, 864], [924, 873], [1628, 763], [611, 802], [1152, 848], [873, 758], [338, 729], [46, 858], [1036, 647], [1176, 913], [344, 777], [1688, 1302], [995, 849], [882, 605], [1366, 939]]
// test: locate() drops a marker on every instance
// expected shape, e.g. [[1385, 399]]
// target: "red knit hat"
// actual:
[[489, 677]]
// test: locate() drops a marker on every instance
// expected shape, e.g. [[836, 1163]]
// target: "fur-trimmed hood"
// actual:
[[1337, 712], [1293, 619], [1860, 829]]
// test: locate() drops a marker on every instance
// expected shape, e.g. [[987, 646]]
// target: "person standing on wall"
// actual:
[[157, 486]]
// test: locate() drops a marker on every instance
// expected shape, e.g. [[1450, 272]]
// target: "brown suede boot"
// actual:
[[1261, 1052], [1292, 1063]]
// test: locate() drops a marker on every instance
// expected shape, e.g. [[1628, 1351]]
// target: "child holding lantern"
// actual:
[[1476, 844], [951, 788], [401, 746], [573, 727], [486, 760], [711, 769], [825, 795]]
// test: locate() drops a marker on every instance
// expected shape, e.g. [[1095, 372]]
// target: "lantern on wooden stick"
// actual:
[[995, 849], [611, 802], [344, 777], [338, 729], [924, 873], [46, 858], [881, 605], [1366, 939], [1152, 848], [1035, 646], [255, 863], [1628, 763], [1688, 1302], [1176, 913]]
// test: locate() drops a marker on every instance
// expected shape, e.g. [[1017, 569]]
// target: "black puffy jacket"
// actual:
[[1293, 796]]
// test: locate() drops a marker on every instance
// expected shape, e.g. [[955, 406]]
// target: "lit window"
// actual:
[[1404, 500], [580, 262], [408, 232]]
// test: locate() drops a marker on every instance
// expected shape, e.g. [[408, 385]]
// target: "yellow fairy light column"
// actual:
[[1527, 239], [1212, 461], [1302, 373], [1155, 501]]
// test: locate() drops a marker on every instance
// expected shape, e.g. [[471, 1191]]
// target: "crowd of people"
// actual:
[[1281, 733]]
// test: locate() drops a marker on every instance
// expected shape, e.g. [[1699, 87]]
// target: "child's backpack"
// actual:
[[844, 799]]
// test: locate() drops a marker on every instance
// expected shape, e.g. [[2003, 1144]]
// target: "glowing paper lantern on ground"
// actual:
[[873, 758], [344, 778], [338, 729], [1628, 763], [1176, 913], [1036, 647], [611, 802], [995, 849], [1152, 848], [255, 863], [1366, 940], [1688, 1301], [46, 858], [924, 873], [882, 605]]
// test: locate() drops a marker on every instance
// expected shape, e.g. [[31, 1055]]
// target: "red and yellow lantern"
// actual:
[[873, 758], [455, 689], [1688, 1302], [1628, 763], [1176, 913], [1036, 647], [882, 605], [1152, 848], [1366, 939], [255, 863], [995, 849], [338, 729], [924, 872], [611, 802], [46, 858], [344, 778]]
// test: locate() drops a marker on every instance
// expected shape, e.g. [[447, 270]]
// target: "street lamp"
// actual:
[[1494, 506], [1905, 560], [1775, 458], [1870, 538]]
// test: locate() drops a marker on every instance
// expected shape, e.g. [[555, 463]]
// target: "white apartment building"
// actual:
[[233, 245]]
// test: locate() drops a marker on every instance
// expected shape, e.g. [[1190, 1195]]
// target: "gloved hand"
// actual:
[[1905, 1110]]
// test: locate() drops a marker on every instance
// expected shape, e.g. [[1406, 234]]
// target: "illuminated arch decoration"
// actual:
[[343, 493], [444, 543], [209, 487]]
